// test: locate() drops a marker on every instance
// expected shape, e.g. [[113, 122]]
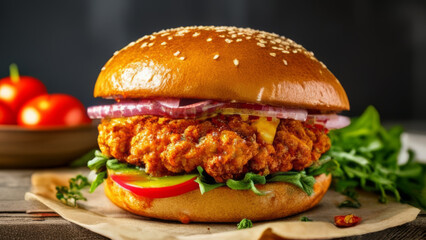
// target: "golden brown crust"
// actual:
[[222, 204], [221, 63]]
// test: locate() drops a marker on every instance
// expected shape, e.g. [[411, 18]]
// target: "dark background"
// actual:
[[377, 49]]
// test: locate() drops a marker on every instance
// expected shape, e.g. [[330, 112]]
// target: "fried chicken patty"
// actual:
[[226, 146]]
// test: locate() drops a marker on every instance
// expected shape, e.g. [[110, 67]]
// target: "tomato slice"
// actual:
[[140, 183]]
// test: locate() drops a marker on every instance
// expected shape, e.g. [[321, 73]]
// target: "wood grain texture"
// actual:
[[15, 223]]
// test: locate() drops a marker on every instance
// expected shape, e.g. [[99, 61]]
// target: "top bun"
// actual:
[[221, 63]]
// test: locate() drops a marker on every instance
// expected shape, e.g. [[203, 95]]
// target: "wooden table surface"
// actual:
[[20, 219]]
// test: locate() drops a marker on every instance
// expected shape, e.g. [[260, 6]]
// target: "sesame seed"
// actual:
[[294, 51], [115, 53], [323, 65], [170, 38], [144, 44], [131, 44], [209, 39], [151, 44], [228, 40], [262, 41], [233, 35], [182, 58], [163, 43], [222, 36], [176, 53], [165, 34], [239, 40], [196, 34], [248, 38], [216, 56], [260, 44], [273, 54], [236, 62], [152, 37], [103, 68], [285, 62], [285, 51]]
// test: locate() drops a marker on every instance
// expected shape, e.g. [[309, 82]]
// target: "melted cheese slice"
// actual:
[[266, 129]]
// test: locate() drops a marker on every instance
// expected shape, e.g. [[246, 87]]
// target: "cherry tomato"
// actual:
[[53, 110], [346, 220], [17, 90], [6, 114]]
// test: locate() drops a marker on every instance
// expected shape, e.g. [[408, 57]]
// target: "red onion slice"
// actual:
[[128, 108], [170, 108], [330, 121]]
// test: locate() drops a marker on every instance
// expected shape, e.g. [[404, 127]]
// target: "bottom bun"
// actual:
[[222, 204]]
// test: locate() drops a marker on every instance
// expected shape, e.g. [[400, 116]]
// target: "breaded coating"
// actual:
[[226, 146]]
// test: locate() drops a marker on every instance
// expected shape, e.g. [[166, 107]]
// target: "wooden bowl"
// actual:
[[45, 147]]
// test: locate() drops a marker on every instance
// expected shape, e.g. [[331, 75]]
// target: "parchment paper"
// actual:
[[99, 215]]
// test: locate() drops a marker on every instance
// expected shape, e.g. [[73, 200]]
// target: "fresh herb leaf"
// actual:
[[306, 219], [349, 204], [325, 165], [82, 161], [248, 183], [245, 223], [71, 194], [114, 164], [300, 179], [206, 182], [100, 177], [367, 154], [205, 187], [98, 162]]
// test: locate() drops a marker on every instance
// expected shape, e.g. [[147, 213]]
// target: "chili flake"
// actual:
[[346, 220]]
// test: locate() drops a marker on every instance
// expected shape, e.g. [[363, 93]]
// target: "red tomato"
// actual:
[[6, 114], [17, 93], [53, 110], [155, 192]]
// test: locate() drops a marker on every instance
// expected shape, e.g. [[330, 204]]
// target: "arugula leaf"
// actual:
[[325, 165], [82, 161], [300, 179], [247, 183], [367, 154], [245, 223], [98, 162], [100, 177], [206, 182], [71, 194]]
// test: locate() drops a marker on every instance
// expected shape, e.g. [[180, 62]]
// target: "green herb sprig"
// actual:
[[367, 154], [71, 194], [306, 219], [245, 223]]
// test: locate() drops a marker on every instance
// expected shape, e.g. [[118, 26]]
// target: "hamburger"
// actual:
[[215, 124]]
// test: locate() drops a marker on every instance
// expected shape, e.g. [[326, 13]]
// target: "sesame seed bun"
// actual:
[[221, 63], [222, 204]]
